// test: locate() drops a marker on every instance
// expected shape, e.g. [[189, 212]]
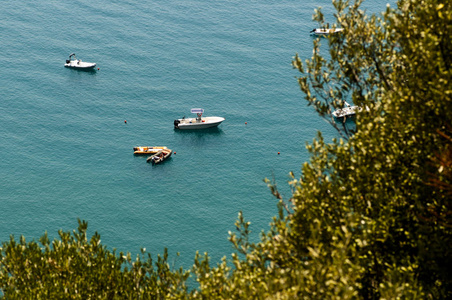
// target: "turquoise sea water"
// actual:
[[66, 152]]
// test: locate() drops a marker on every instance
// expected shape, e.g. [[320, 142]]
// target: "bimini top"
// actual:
[[197, 110]]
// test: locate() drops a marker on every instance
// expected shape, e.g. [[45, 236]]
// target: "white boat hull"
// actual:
[[78, 64], [324, 32], [346, 111], [194, 123]]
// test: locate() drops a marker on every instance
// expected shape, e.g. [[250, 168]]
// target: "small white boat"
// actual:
[[325, 31], [199, 122], [346, 111], [75, 63]]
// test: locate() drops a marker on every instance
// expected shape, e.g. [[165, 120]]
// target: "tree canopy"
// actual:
[[370, 215]]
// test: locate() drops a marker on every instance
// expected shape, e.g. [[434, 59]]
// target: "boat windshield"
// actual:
[[197, 110]]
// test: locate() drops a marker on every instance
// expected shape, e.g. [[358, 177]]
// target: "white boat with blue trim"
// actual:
[[199, 122]]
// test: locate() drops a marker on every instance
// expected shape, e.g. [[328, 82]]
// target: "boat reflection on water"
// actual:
[[200, 132], [200, 137], [346, 124]]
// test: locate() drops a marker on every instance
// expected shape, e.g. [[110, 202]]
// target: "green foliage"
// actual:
[[73, 267], [370, 216]]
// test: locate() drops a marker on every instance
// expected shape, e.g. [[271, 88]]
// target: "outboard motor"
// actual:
[[176, 124], [68, 61]]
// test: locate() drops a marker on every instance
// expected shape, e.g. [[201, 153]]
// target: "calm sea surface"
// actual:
[[66, 152]]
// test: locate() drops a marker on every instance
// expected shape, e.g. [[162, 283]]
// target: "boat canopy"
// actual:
[[72, 54], [197, 110]]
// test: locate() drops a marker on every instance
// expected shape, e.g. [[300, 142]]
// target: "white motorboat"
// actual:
[[346, 111], [199, 122], [75, 63], [325, 31]]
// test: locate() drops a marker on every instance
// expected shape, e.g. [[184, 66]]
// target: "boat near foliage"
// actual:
[[199, 122], [75, 63], [347, 111], [146, 150], [160, 156], [325, 31]]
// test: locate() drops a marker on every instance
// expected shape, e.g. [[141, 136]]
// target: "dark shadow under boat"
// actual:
[[346, 124], [91, 70], [211, 131]]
